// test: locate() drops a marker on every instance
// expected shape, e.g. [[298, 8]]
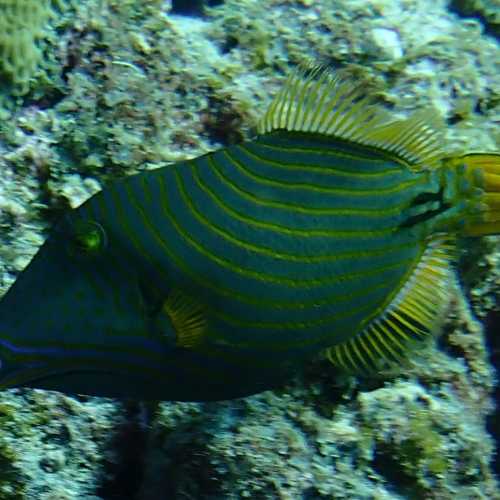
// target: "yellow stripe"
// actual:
[[153, 231], [273, 253], [365, 212], [299, 208], [401, 186], [303, 283], [279, 228], [289, 325], [120, 217], [233, 293], [327, 168]]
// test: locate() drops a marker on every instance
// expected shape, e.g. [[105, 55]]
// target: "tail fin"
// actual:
[[483, 170]]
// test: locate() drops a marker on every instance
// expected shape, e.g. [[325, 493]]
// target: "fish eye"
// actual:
[[87, 239]]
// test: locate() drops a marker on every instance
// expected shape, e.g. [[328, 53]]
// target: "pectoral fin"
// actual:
[[185, 317]]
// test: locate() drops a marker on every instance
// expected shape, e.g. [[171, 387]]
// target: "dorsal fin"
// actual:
[[315, 100], [412, 315]]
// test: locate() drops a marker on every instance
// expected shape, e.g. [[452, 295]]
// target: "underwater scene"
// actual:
[[249, 249]]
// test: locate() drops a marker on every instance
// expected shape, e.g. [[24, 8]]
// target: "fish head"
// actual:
[[77, 310], [89, 316]]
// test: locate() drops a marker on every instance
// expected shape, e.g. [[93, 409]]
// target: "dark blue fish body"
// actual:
[[215, 278]]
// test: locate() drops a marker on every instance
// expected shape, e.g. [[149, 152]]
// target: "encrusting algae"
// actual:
[[22, 24], [333, 231]]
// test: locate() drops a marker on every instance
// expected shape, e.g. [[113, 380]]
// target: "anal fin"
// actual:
[[412, 315]]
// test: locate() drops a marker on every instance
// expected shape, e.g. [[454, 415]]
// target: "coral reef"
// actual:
[[487, 11], [53, 446], [129, 86], [22, 27]]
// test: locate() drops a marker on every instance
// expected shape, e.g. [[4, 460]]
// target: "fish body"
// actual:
[[330, 232]]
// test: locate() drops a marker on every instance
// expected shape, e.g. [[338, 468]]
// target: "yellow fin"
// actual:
[[482, 170], [413, 314], [315, 100], [188, 319]]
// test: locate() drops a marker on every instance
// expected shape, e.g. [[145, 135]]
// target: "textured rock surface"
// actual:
[[128, 86]]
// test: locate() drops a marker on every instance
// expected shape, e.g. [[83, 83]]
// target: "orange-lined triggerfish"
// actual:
[[332, 231]]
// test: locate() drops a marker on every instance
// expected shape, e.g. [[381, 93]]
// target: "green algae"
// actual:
[[12, 482]]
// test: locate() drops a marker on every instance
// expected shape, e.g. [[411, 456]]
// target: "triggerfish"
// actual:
[[331, 233]]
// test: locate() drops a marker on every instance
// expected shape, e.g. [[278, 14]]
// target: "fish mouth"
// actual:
[[42, 366]]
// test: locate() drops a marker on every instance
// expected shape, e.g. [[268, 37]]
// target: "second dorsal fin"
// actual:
[[315, 100]]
